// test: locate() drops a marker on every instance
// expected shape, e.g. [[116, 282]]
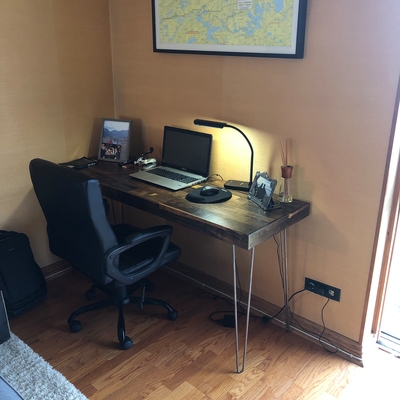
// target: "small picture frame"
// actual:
[[114, 140], [262, 189]]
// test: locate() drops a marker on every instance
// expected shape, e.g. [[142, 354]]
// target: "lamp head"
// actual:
[[211, 124], [239, 185]]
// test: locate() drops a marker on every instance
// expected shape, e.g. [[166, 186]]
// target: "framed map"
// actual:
[[257, 28]]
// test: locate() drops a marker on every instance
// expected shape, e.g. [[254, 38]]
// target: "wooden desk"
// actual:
[[237, 221]]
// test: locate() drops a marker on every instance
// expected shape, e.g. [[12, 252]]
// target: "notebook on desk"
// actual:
[[185, 160]]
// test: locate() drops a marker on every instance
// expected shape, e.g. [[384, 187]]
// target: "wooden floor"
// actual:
[[192, 357]]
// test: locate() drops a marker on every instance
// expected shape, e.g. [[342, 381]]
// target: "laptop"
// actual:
[[185, 160]]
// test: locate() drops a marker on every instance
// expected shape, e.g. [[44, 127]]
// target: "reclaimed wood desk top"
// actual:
[[237, 221]]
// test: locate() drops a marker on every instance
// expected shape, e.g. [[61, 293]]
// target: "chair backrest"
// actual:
[[77, 225]]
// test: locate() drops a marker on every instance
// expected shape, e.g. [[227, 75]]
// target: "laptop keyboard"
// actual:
[[175, 176]]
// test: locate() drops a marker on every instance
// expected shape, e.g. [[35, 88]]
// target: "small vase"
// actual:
[[285, 190]]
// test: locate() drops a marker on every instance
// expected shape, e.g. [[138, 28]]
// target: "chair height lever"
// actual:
[[141, 301]]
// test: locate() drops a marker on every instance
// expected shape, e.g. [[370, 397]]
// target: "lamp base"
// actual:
[[237, 185]]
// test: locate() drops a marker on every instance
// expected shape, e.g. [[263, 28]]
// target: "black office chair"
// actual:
[[117, 258]]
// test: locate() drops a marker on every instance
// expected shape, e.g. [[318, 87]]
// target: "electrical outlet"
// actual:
[[320, 288]]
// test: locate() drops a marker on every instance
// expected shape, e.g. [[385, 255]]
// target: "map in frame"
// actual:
[[263, 28]]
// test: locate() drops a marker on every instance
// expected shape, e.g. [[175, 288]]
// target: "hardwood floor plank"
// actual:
[[185, 391], [190, 358]]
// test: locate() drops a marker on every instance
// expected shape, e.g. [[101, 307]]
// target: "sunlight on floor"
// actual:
[[377, 380]]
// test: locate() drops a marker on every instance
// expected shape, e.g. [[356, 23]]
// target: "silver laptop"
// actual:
[[185, 160]]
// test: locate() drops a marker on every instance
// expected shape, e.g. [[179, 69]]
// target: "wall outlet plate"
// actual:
[[322, 289]]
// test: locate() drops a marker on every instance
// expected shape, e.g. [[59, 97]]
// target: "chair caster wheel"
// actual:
[[126, 344], [173, 315], [75, 326], [90, 294]]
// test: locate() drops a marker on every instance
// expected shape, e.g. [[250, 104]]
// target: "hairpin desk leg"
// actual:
[[240, 370], [283, 255]]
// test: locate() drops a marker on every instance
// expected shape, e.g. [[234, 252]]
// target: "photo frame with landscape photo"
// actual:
[[262, 189], [115, 140]]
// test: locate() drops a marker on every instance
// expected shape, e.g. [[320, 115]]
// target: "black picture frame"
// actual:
[[115, 140], [262, 189], [263, 33]]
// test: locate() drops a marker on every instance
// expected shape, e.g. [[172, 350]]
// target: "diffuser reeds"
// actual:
[[285, 192], [284, 151]]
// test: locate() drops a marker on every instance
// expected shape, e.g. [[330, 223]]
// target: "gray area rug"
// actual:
[[31, 376]]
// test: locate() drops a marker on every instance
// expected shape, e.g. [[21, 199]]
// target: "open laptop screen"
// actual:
[[187, 150]]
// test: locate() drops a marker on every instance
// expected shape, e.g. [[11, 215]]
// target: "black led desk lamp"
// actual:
[[235, 185]]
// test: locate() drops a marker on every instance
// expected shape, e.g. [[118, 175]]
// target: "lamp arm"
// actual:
[[251, 148]]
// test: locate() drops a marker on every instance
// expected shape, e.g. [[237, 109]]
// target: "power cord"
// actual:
[[266, 318], [228, 315], [320, 335], [323, 330], [279, 260], [210, 176], [228, 319]]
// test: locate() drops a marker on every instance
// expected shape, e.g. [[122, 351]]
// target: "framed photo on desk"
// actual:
[[114, 140], [262, 189]]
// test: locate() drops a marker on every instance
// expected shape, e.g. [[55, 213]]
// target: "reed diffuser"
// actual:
[[285, 190]]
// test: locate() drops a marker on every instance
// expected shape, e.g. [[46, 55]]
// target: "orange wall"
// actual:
[[58, 73], [55, 85], [336, 104]]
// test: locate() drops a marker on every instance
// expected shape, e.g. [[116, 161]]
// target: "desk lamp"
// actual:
[[235, 185]]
